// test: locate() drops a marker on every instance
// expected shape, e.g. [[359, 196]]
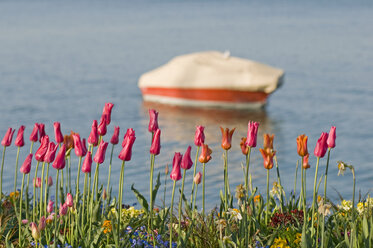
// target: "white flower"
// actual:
[[235, 213], [341, 168]]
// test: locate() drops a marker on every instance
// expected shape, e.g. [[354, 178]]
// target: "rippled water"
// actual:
[[61, 61]]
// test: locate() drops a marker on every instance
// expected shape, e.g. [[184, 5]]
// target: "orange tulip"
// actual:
[[244, 147], [302, 145], [268, 141], [68, 140], [226, 142], [305, 164], [268, 158], [205, 154]]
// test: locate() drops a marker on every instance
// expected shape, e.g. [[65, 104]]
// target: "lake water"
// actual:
[[62, 60]]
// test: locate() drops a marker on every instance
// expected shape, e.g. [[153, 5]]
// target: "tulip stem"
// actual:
[[150, 219], [20, 213], [194, 201], [84, 195], [314, 196], [33, 194], [46, 190], [16, 171], [41, 190], [1, 179], [120, 200], [267, 209], [194, 174], [55, 211], [77, 182], [181, 201], [225, 181], [295, 181], [171, 213], [108, 179], [323, 216], [247, 171], [203, 190]]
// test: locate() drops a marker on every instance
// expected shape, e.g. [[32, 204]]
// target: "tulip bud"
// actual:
[[153, 121], [41, 128], [205, 154], [127, 144], [63, 209], [104, 194], [93, 137], [156, 143], [175, 172], [59, 162], [42, 223], [268, 141], [19, 139], [69, 200], [197, 178], [252, 132], [42, 150], [24, 221], [267, 158], [305, 164], [50, 181], [331, 138], [302, 145], [107, 112], [78, 147], [244, 147], [26, 166], [57, 132], [186, 161], [101, 129], [321, 145], [115, 138], [7, 140], [199, 137], [226, 142], [35, 233], [166, 170], [51, 153], [100, 154], [34, 133], [50, 207], [37, 182], [87, 163], [84, 147]]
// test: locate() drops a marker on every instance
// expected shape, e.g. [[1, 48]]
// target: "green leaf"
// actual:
[[141, 199], [365, 228]]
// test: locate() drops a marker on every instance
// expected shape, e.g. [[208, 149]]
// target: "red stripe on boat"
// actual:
[[222, 95]]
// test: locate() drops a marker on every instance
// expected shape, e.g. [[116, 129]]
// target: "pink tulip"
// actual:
[[57, 132], [130, 133], [42, 223], [34, 133], [24, 221], [156, 143], [26, 166], [37, 182], [107, 112], [153, 121], [50, 207], [78, 147], [84, 147], [199, 137], [252, 132], [101, 129], [331, 138], [93, 137], [321, 145], [126, 153], [186, 161], [197, 178], [41, 128], [59, 162], [69, 200], [51, 153], [50, 181], [19, 139], [175, 172], [63, 209], [7, 140], [100, 154], [42, 150], [50, 217], [115, 138], [87, 163]]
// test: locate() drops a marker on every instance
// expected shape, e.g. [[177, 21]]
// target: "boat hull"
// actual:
[[223, 98]]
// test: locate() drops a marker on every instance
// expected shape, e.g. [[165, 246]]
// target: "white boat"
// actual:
[[211, 79]]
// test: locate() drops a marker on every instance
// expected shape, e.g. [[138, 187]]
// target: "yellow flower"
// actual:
[[14, 195], [280, 243], [107, 226], [298, 238]]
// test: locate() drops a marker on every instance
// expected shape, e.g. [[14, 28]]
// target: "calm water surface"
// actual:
[[61, 61]]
